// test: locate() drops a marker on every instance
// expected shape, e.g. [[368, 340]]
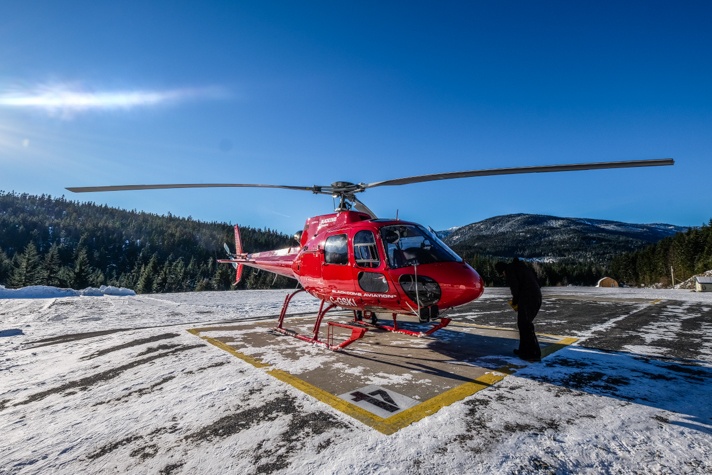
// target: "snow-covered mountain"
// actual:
[[552, 238]]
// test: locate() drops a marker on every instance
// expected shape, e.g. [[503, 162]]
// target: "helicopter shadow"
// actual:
[[451, 355]]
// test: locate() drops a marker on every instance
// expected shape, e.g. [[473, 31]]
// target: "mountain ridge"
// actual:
[[553, 239]]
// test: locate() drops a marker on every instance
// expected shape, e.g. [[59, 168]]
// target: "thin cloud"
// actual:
[[65, 100]]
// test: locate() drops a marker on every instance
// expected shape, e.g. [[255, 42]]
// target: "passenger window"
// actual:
[[372, 282], [335, 250], [365, 251]]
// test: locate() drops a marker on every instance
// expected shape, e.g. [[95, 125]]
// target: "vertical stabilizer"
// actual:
[[238, 251]]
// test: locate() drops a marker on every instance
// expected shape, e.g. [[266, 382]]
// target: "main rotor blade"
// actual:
[[88, 189], [342, 188], [517, 170]]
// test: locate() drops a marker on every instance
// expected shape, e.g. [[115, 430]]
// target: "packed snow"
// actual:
[[106, 381], [45, 292]]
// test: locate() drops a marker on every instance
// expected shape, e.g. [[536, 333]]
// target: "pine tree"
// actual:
[[148, 276], [203, 285], [176, 276], [97, 278], [161, 282], [52, 267], [222, 280], [191, 275], [81, 277], [5, 267], [28, 268]]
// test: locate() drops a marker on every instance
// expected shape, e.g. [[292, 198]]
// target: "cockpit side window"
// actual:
[[336, 250], [409, 245], [365, 250]]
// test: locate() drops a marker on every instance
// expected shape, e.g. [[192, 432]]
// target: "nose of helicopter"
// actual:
[[462, 284]]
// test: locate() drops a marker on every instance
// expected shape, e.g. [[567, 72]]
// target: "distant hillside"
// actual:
[[553, 239], [684, 255], [53, 241]]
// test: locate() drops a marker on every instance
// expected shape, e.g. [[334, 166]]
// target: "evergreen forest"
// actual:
[[559, 273], [683, 255], [62, 243]]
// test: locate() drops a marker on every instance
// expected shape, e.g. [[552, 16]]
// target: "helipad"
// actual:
[[385, 380]]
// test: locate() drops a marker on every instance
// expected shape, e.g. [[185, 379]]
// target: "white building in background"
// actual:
[[703, 284]]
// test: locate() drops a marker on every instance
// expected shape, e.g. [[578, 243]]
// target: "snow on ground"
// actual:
[[111, 382], [43, 291]]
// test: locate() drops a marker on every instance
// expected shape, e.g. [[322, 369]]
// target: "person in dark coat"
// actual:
[[526, 301]]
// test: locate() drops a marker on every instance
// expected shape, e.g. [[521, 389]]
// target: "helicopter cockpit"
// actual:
[[411, 244]]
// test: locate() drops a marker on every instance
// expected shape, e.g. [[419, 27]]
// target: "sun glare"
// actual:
[[66, 100]]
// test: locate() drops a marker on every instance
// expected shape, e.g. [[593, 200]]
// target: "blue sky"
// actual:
[[305, 93]]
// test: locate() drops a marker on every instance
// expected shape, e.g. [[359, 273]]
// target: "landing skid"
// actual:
[[356, 331], [373, 321]]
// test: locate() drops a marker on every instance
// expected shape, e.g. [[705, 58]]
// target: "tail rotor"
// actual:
[[238, 254]]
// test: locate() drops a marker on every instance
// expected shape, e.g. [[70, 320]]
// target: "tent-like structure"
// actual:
[[607, 282]]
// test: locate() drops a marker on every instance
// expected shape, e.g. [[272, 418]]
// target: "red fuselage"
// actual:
[[360, 263]]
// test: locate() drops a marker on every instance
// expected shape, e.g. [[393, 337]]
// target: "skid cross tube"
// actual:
[[356, 332], [395, 329]]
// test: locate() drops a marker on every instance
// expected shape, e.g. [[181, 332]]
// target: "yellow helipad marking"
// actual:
[[554, 347], [246, 358], [406, 417]]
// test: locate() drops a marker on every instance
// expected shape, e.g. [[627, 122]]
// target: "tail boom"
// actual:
[[278, 262]]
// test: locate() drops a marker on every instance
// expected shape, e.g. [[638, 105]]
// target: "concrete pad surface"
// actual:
[[386, 380]]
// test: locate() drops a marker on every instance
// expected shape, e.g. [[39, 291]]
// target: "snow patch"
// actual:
[[48, 292]]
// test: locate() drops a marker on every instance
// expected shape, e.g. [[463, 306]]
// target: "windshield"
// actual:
[[409, 245]]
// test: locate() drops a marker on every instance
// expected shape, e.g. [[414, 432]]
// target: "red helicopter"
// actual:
[[351, 259]]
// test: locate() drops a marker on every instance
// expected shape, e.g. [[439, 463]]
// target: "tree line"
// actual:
[[684, 254], [559, 273], [57, 242], [62, 243]]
